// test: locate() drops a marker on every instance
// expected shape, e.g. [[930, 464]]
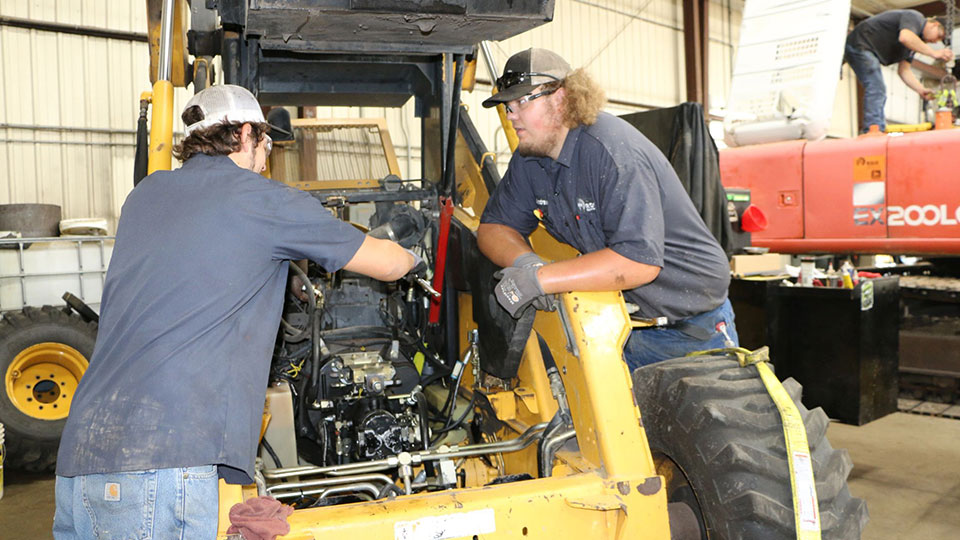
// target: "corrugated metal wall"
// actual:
[[68, 103], [69, 106], [634, 48]]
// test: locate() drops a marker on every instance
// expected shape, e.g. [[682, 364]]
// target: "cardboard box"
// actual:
[[750, 265]]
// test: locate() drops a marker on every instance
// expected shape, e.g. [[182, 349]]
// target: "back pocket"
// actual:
[[121, 505]]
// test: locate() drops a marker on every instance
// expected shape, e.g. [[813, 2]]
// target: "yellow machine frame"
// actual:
[[605, 488], [609, 488]]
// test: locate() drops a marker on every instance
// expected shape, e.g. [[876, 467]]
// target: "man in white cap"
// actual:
[[174, 394], [596, 183]]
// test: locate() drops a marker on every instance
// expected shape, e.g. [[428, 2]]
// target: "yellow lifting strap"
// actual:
[[806, 510]]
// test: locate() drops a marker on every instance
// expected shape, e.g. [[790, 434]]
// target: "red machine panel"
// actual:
[[845, 186], [923, 185], [774, 175]]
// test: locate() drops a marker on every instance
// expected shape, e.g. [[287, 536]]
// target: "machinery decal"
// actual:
[[447, 526], [864, 216], [914, 215], [870, 168], [928, 215], [869, 189], [868, 200]]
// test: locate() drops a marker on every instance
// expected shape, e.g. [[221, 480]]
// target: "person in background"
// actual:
[[892, 37]]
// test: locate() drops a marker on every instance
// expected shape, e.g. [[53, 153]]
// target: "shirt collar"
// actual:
[[569, 145], [204, 160]]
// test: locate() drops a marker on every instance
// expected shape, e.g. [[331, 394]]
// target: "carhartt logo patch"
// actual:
[[111, 492]]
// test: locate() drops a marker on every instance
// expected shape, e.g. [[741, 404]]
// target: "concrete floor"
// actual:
[[906, 466]]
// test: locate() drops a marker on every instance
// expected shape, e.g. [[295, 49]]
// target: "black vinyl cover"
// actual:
[[501, 345], [681, 134]]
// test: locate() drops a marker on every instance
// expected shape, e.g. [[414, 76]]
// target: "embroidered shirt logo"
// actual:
[[542, 202], [111, 492], [586, 206]]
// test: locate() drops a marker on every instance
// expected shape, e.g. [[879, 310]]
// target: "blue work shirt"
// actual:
[[880, 34], [610, 187], [189, 318]]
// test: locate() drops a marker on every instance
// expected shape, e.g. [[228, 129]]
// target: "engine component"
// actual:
[[400, 223], [379, 435], [369, 371]]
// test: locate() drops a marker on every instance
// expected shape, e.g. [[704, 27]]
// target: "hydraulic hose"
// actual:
[[424, 426], [311, 308], [388, 489], [273, 455], [141, 158], [447, 188], [315, 357]]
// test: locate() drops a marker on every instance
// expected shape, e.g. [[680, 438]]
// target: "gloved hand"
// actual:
[[419, 266], [528, 259], [518, 288], [545, 302]]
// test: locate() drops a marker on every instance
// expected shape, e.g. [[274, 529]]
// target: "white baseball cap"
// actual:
[[224, 103]]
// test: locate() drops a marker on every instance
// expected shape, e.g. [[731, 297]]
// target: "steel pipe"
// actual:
[[326, 492], [166, 41], [512, 445], [326, 482]]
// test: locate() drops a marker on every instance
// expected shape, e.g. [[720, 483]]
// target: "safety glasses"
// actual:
[[513, 78], [522, 102], [268, 145]]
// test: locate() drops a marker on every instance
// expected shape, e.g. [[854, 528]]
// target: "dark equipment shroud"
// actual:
[[681, 134]]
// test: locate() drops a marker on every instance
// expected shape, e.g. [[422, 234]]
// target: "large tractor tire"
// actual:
[[718, 441], [43, 354]]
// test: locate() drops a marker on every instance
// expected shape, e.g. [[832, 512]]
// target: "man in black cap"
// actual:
[[596, 183], [173, 398], [890, 37]]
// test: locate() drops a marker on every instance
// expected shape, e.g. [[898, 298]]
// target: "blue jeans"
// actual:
[[176, 504], [647, 346], [867, 67]]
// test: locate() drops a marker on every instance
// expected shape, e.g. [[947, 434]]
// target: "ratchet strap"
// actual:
[[806, 509]]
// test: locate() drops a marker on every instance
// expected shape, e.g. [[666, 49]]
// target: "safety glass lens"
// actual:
[[521, 103]]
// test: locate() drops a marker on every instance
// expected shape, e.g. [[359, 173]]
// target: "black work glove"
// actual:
[[419, 266], [518, 288], [544, 302]]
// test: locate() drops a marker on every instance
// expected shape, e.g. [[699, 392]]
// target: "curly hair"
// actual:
[[584, 98], [217, 140]]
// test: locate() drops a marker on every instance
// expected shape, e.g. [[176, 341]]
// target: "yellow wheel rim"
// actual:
[[42, 379]]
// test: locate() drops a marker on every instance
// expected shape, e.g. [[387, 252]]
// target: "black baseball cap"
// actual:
[[525, 71]]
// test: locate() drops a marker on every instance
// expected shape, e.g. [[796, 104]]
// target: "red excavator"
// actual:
[[871, 194]]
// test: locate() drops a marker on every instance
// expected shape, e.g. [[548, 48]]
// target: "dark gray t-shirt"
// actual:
[[611, 187], [190, 312], [880, 34]]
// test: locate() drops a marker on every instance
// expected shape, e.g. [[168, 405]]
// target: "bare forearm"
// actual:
[[501, 244], [603, 270], [380, 259], [908, 78], [913, 42]]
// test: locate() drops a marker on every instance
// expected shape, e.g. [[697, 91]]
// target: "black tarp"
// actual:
[[681, 134]]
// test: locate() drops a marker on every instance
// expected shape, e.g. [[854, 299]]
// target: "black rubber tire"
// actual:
[[32, 443], [716, 421]]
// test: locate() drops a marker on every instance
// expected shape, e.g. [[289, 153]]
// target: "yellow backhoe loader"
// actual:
[[419, 409]]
